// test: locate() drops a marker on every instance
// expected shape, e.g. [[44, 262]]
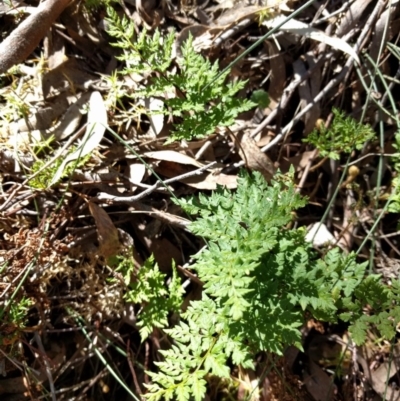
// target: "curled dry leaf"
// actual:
[[106, 230], [253, 157]]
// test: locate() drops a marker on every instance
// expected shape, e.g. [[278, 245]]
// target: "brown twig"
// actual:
[[129, 199], [24, 39], [129, 357]]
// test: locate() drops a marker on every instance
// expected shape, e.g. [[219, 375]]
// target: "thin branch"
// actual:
[[129, 199]]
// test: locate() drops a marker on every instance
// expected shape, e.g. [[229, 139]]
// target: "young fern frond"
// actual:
[[345, 135], [147, 288]]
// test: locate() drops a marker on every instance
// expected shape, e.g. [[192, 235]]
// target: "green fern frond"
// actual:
[[193, 92], [345, 135], [147, 288]]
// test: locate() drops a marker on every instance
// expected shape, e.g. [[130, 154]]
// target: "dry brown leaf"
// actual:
[[42, 118], [352, 17], [95, 129], [253, 157], [54, 47], [299, 162], [170, 169], [315, 86], [278, 72], [211, 181], [318, 383], [379, 377], [202, 37], [164, 250], [173, 156], [206, 182], [383, 30], [296, 27], [106, 231], [241, 11]]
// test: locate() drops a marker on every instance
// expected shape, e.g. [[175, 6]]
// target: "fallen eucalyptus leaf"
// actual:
[[96, 126], [300, 28], [106, 230], [173, 156]]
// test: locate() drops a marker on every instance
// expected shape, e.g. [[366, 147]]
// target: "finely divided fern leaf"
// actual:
[[192, 91], [259, 278]]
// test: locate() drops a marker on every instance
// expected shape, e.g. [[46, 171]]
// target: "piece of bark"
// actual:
[[24, 39]]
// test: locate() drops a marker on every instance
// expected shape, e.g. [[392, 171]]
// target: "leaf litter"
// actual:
[[57, 103]]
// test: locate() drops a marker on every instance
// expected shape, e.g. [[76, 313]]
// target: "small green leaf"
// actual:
[[358, 331], [261, 98]]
